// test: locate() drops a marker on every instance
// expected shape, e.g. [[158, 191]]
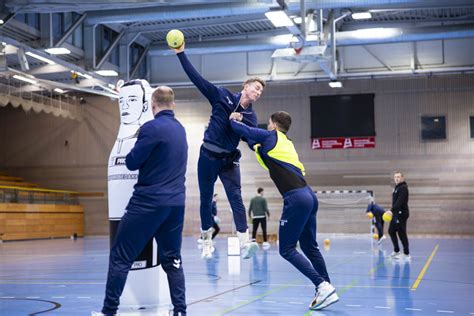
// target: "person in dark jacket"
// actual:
[[156, 208], [276, 153], [377, 212], [258, 211], [219, 156], [400, 211]]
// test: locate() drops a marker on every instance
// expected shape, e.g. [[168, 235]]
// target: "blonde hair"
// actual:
[[254, 79]]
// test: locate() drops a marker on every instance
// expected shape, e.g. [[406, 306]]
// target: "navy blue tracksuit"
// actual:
[[300, 205], [219, 156], [156, 209], [378, 211]]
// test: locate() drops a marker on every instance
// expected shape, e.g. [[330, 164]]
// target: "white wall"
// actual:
[[440, 174]]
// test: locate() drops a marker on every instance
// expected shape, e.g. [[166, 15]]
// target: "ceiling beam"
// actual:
[[348, 38], [175, 12], [184, 25], [51, 6]]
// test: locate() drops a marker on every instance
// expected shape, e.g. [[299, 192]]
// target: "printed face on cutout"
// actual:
[[131, 104]]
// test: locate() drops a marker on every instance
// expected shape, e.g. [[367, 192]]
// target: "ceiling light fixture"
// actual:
[[107, 73], [335, 84], [378, 32], [25, 79], [41, 58], [57, 51], [279, 18], [361, 15]]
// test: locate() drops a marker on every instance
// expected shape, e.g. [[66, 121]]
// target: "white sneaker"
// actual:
[[199, 241], [248, 248], [326, 295], [100, 314], [206, 237], [266, 245], [406, 257], [395, 255], [380, 241]]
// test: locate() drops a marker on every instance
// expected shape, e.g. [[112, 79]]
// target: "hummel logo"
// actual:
[[283, 222], [229, 101], [177, 263]]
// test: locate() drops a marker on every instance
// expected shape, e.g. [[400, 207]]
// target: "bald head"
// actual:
[[162, 99]]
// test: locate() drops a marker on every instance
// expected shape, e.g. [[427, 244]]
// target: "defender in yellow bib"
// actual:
[[276, 153]]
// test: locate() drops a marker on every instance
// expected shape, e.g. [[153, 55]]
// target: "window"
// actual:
[[471, 124], [433, 127]]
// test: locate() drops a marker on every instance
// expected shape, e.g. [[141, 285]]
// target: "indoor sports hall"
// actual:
[[290, 157]]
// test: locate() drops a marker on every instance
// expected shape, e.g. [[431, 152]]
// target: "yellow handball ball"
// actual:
[[327, 242], [387, 216], [175, 38], [370, 215], [375, 236]]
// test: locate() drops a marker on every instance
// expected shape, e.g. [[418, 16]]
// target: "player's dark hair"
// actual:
[[283, 120]]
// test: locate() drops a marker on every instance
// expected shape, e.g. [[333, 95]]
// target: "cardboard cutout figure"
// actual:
[[147, 284]]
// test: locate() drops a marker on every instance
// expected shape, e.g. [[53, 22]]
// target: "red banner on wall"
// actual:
[[343, 142]]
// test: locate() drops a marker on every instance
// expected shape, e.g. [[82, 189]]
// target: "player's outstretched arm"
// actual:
[[253, 134], [207, 89]]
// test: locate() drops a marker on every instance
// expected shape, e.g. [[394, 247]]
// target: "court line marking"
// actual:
[[423, 271], [382, 307], [442, 311], [56, 304], [371, 272], [284, 286], [218, 294], [251, 300], [413, 309], [350, 305]]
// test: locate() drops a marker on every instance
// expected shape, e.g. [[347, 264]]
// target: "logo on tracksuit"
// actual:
[[177, 263], [229, 100], [283, 222]]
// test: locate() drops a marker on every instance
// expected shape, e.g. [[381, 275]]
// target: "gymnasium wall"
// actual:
[[440, 174]]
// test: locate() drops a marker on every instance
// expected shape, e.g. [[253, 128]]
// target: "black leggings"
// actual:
[[399, 225], [256, 222]]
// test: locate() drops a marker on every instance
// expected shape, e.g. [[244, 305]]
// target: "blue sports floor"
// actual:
[[67, 277]]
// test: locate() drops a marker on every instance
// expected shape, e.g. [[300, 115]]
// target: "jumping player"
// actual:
[[219, 156]]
